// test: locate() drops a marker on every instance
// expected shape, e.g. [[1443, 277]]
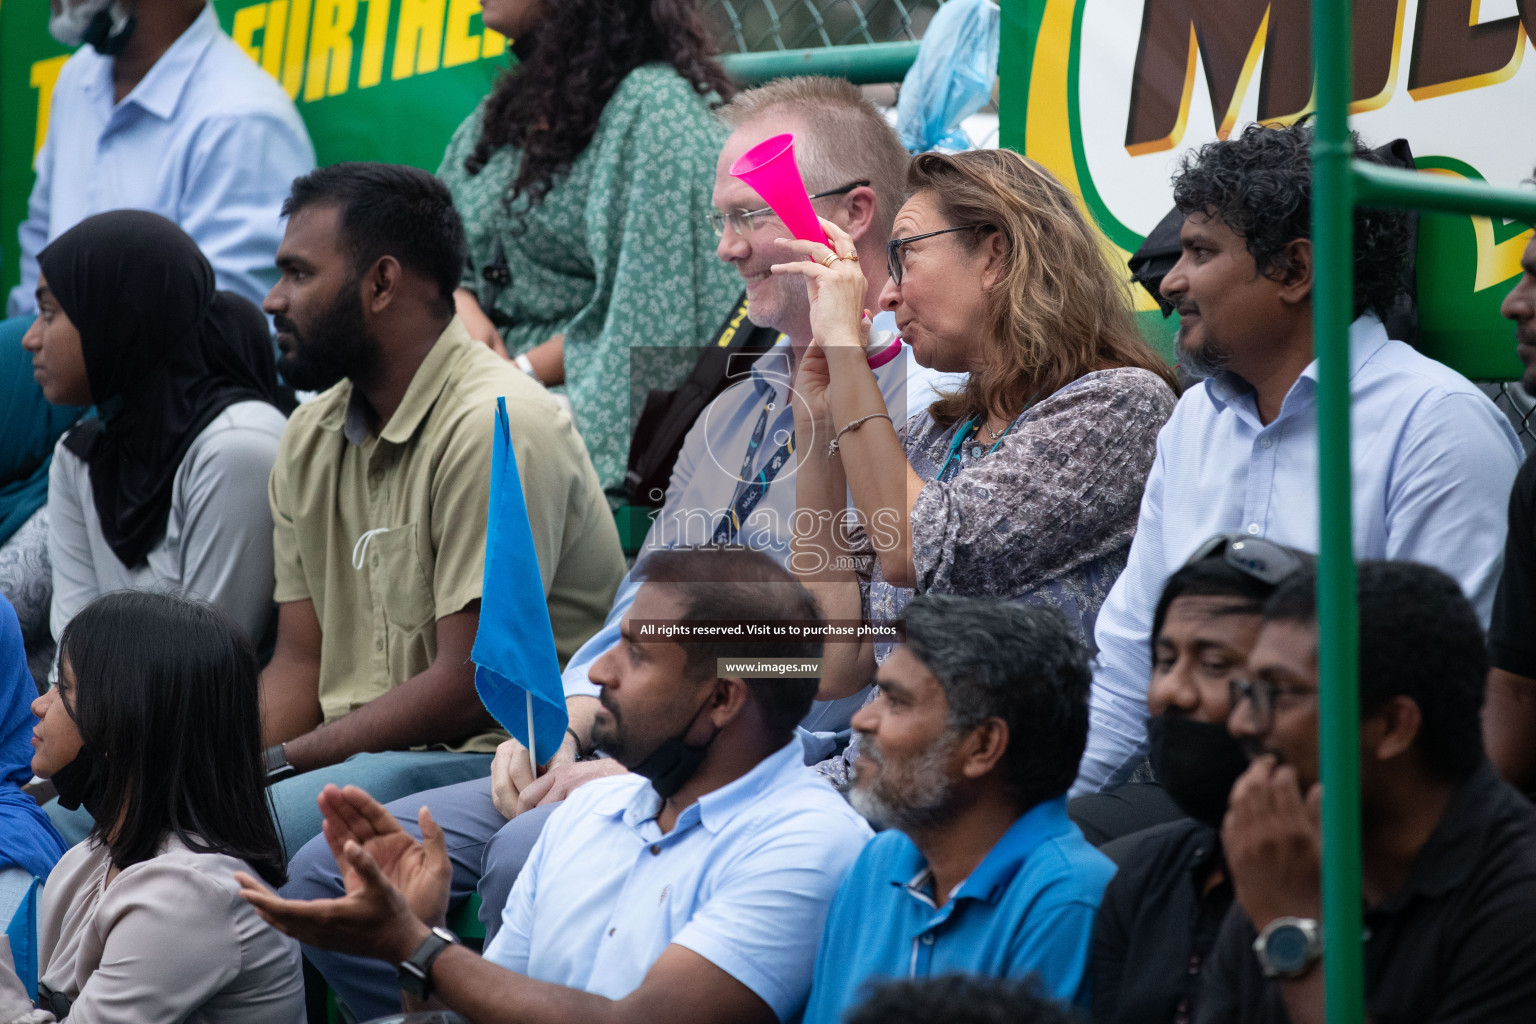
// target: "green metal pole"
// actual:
[[1338, 626], [865, 64], [1376, 185]]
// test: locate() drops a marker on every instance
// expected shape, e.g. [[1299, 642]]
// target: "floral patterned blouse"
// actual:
[[618, 255], [1046, 516]]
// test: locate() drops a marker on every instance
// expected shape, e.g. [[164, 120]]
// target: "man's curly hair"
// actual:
[[1260, 185], [569, 67]]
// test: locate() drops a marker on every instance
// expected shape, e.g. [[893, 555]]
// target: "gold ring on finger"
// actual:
[[851, 258], [829, 259]]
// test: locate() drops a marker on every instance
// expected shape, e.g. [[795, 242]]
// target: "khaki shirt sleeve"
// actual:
[[288, 569]]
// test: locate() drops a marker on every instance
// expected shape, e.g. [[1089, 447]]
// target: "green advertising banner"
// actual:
[[373, 80], [1110, 94]]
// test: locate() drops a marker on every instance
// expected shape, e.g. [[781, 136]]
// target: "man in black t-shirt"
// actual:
[[1449, 850], [1510, 719]]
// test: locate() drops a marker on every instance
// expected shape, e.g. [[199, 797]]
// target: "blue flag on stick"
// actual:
[[517, 672]]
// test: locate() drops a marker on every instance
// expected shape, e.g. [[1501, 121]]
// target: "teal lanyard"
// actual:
[[971, 428]]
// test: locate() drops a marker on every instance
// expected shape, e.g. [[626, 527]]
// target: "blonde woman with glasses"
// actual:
[[1026, 483]]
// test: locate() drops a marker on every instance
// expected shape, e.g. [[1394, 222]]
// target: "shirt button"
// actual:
[[611, 931], [655, 850], [1266, 442], [378, 645], [1253, 529], [927, 938]]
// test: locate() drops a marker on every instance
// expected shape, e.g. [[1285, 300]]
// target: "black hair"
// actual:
[[1018, 662], [1213, 576], [737, 585], [390, 210], [165, 693], [957, 999], [1419, 638], [1260, 185], [568, 69]]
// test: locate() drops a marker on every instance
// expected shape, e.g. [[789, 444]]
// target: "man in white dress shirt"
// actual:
[[161, 111], [1433, 458]]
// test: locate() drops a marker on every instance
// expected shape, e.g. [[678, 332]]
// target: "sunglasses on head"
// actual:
[[1263, 560]]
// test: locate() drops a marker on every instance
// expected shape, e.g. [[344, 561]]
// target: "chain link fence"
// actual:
[[746, 26], [1520, 407]]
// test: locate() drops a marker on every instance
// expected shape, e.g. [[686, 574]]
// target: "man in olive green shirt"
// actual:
[[379, 499]]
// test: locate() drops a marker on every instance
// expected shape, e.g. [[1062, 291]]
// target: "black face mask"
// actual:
[[671, 765], [1197, 763], [99, 33], [79, 781]]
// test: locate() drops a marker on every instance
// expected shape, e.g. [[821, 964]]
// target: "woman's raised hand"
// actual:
[[835, 284]]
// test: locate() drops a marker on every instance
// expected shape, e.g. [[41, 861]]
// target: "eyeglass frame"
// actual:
[[739, 219], [1233, 548], [1240, 691], [893, 262]]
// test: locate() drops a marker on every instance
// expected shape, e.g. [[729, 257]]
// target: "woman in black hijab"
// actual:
[[166, 487]]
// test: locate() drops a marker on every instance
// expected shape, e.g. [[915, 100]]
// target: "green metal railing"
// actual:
[[867, 64], [1339, 184]]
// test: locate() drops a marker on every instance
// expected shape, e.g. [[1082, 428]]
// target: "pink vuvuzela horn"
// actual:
[[770, 168]]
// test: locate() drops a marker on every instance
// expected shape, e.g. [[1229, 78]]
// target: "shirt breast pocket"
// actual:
[[401, 576]]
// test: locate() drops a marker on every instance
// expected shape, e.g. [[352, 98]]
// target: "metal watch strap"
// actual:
[[1312, 951], [415, 972]]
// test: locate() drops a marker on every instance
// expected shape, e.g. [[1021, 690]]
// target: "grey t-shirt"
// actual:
[[218, 539]]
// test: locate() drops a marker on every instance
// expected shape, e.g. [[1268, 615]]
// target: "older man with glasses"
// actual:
[[1449, 850]]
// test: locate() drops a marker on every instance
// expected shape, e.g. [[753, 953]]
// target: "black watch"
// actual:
[[415, 972], [278, 768]]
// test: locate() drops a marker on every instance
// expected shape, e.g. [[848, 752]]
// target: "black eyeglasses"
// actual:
[[741, 220], [1263, 697], [1263, 560], [893, 247]]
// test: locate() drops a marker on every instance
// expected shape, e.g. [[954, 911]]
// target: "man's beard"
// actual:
[[337, 344], [608, 738], [1204, 360], [915, 798]]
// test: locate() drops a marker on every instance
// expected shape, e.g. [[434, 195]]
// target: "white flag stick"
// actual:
[[533, 762]]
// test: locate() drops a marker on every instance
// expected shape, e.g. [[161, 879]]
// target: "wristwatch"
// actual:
[[1288, 947], [415, 972], [276, 760]]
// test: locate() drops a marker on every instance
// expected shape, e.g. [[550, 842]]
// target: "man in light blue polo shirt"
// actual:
[[966, 756], [690, 888]]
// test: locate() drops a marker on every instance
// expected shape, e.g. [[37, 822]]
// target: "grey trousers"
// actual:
[[487, 852]]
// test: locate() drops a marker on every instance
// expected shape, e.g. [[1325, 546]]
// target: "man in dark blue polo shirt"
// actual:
[[966, 755]]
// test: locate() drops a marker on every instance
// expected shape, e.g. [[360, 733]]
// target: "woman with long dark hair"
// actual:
[[584, 183], [155, 726]]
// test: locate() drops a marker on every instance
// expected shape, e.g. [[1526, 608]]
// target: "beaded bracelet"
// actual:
[[832, 448]]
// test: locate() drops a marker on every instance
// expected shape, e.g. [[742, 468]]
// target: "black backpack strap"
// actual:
[[669, 415]]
